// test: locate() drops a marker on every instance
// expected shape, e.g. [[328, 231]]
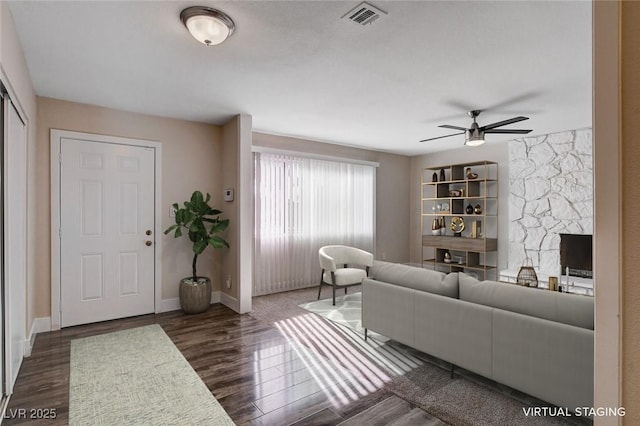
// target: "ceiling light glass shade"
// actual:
[[474, 138], [208, 26]]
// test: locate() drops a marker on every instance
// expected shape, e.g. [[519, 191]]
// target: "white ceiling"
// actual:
[[300, 70]]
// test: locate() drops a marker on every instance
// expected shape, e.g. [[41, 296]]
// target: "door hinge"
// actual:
[[60, 233], [60, 158]]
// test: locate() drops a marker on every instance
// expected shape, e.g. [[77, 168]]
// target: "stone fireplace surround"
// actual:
[[550, 193]]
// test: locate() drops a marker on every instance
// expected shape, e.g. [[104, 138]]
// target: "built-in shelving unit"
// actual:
[[474, 250]]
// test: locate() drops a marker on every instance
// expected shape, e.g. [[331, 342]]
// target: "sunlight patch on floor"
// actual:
[[343, 365]]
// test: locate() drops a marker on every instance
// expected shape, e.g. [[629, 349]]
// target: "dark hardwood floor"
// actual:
[[298, 371], [282, 365]]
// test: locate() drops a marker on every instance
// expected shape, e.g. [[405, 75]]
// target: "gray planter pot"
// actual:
[[195, 298]]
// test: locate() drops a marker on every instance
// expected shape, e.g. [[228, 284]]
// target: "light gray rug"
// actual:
[[347, 310], [137, 377]]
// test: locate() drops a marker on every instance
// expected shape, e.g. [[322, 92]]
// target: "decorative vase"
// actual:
[[195, 297], [435, 226], [442, 176], [477, 209], [434, 178], [469, 209]]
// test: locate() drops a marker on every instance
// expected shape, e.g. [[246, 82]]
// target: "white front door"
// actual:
[[107, 244]]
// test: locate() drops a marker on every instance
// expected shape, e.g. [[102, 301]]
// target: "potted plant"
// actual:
[[203, 224]]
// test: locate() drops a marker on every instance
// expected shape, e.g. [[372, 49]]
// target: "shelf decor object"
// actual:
[[470, 174], [468, 240], [476, 229], [457, 226], [435, 226], [527, 276], [553, 283]]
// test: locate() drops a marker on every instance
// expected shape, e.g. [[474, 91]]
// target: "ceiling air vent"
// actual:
[[364, 14]]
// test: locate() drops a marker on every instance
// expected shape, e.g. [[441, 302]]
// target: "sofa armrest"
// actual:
[[388, 309]]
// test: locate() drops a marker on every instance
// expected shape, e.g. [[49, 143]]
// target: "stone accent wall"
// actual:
[[550, 193]]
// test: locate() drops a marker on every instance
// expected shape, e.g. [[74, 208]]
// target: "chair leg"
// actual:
[[333, 280], [345, 290], [320, 286], [366, 330]]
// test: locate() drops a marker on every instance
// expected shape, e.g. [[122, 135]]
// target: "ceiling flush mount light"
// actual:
[[208, 26]]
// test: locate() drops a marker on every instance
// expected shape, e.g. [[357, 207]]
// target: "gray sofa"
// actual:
[[538, 342]]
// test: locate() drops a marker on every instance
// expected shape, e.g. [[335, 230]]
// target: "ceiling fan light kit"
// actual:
[[474, 135], [207, 25]]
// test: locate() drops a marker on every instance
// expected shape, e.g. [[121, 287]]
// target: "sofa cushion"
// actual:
[[560, 307], [416, 278]]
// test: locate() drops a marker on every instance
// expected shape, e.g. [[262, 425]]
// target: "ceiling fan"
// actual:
[[474, 135]]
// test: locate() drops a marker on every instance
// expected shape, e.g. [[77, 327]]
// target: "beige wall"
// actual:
[[237, 174], [392, 189], [192, 159], [498, 152], [15, 75], [14, 65], [630, 137], [230, 209]]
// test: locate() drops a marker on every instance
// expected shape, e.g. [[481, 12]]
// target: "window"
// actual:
[[302, 204]]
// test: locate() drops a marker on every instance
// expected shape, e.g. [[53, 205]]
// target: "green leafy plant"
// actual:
[[202, 223]]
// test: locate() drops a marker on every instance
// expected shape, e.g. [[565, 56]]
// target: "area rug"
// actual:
[[137, 377], [347, 312]]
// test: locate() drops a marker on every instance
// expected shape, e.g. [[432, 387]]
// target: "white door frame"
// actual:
[[56, 136], [15, 259]]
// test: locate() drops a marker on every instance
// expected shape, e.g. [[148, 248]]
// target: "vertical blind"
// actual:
[[302, 204]]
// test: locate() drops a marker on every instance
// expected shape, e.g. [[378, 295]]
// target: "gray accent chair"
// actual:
[[337, 263]]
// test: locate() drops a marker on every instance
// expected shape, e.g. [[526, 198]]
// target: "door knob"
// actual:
[[148, 243], [148, 232]]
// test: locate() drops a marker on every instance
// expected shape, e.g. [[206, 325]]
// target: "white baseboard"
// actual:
[[168, 305], [230, 301], [40, 325], [43, 325]]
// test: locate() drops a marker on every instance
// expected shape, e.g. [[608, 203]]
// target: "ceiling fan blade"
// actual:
[[513, 100], [514, 131], [447, 126], [460, 105], [440, 137], [503, 123]]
